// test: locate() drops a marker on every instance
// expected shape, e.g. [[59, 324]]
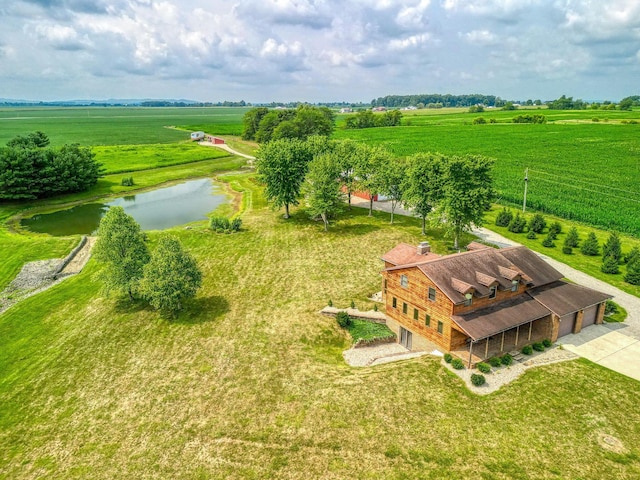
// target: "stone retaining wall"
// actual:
[[375, 341], [369, 316], [69, 257]]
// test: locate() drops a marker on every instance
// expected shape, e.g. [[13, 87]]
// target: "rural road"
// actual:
[[612, 345], [226, 147]]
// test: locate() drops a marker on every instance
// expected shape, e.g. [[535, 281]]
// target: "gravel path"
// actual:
[[227, 148]]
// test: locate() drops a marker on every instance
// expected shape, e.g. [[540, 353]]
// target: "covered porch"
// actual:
[[493, 331]]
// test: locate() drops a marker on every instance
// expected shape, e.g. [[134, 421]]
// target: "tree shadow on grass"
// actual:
[[201, 310], [124, 305]]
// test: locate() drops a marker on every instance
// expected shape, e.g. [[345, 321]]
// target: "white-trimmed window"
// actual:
[[404, 281]]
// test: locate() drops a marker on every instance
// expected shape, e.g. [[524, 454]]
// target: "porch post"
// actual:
[[517, 334], [502, 343], [530, 325], [486, 349], [470, 350]]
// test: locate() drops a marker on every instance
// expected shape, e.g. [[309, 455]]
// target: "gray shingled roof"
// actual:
[[563, 298], [485, 322]]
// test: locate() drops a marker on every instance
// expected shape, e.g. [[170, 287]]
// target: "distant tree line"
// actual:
[[453, 191], [368, 119], [447, 100], [264, 125], [30, 169]]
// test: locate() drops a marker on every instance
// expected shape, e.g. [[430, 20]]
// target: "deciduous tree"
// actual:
[[322, 188], [282, 165], [122, 247], [423, 184], [171, 276]]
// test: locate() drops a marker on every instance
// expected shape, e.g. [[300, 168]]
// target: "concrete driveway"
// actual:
[[611, 349]]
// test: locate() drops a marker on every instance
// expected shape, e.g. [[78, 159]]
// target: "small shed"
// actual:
[[196, 136]]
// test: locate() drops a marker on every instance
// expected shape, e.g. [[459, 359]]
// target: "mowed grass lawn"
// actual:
[[249, 381]]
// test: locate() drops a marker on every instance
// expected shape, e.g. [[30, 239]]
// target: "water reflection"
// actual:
[[154, 210]]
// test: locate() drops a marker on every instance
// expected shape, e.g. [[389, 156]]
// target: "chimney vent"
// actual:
[[424, 248]]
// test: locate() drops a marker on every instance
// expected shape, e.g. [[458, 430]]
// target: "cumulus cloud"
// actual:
[[322, 48]]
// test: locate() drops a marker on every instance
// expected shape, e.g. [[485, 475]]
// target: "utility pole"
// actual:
[[526, 182]]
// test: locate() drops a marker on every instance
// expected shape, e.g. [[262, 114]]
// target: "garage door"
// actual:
[[590, 315], [566, 324]]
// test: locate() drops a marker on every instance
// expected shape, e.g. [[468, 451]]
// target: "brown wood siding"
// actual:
[[416, 296], [482, 302]]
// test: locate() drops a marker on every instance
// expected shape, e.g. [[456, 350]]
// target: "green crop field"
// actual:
[[578, 169], [129, 158], [116, 125]]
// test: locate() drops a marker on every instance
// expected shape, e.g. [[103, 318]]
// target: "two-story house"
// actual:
[[482, 302]]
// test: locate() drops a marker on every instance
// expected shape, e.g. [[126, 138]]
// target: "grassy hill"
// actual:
[[249, 381]]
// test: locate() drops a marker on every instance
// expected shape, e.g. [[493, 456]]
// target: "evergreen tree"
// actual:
[[632, 275], [548, 241], [572, 240], [518, 224], [554, 229], [537, 223], [612, 247], [503, 219], [590, 246], [609, 265]]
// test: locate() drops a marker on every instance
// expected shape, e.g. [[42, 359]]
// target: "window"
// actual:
[[415, 314], [385, 285], [427, 320], [394, 302], [514, 286], [404, 308], [492, 291], [468, 299], [440, 327], [432, 294], [404, 281]]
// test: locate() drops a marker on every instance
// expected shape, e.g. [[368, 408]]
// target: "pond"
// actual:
[[154, 210]]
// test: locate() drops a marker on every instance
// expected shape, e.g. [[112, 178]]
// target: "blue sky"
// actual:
[[287, 50]]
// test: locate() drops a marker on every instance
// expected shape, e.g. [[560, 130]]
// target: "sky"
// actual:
[[318, 50]]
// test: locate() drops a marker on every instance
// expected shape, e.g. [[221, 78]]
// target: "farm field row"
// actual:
[[249, 380], [583, 172], [114, 125]]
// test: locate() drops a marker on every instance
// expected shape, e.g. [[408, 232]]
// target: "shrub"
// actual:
[[504, 218], [495, 361], [457, 364], [353, 304], [610, 308], [517, 224], [506, 359], [538, 347], [527, 349], [330, 303], [567, 250], [343, 319], [127, 181], [483, 367], [548, 241], [547, 343], [531, 235], [479, 121], [375, 307], [224, 225], [478, 379], [448, 357], [590, 246], [537, 223]]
